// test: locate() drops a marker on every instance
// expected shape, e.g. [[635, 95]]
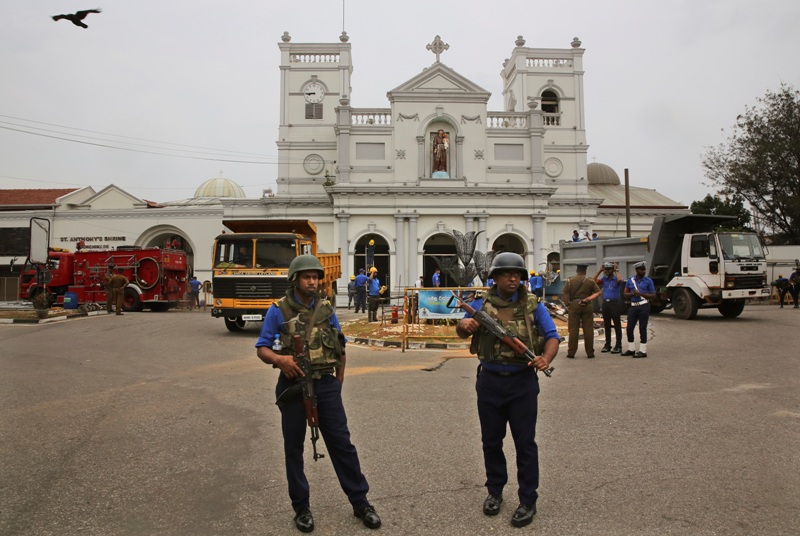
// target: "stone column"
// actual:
[[539, 249], [401, 277], [483, 239], [344, 244], [469, 222], [459, 168], [414, 271], [421, 157]]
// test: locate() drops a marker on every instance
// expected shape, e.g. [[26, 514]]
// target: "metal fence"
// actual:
[[9, 288]]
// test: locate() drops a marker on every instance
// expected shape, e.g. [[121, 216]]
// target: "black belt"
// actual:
[[322, 372], [481, 369], [613, 301]]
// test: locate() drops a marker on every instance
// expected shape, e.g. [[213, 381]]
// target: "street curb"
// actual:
[[48, 320], [411, 345]]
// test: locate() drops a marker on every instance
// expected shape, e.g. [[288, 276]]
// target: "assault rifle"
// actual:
[[498, 331], [304, 385]]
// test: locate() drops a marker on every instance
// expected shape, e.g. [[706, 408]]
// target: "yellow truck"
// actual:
[[251, 264]]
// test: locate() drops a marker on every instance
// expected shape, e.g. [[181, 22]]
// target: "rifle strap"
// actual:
[[314, 315], [528, 320]]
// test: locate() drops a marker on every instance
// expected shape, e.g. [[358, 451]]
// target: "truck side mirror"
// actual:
[[713, 267]]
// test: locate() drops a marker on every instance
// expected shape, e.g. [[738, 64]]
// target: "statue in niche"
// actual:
[[441, 147]]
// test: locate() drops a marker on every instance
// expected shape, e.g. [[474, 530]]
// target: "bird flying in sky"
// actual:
[[77, 18]]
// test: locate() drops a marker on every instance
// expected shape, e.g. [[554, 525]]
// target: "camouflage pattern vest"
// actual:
[[324, 345], [511, 315]]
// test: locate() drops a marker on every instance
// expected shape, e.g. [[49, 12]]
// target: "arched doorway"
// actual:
[[366, 255], [439, 245], [509, 242], [169, 237]]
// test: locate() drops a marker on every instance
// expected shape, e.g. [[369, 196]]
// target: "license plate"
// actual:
[[252, 318]]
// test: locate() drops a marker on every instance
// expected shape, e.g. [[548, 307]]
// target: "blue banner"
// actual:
[[433, 304]]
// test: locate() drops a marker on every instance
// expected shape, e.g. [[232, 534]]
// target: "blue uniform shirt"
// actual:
[[542, 320], [611, 287], [435, 280], [645, 285], [274, 320], [361, 280], [374, 288], [195, 284]]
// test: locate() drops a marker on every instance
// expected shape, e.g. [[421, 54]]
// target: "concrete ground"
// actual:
[[165, 423]]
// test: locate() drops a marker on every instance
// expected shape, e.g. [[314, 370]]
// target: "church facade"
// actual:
[[437, 159], [434, 160]]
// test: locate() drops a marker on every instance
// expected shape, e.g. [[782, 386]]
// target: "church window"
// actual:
[[549, 102], [314, 110]]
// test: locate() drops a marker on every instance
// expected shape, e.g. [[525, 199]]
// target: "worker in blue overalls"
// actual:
[[641, 290]]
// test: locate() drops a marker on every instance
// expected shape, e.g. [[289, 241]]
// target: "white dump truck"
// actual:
[[692, 265]]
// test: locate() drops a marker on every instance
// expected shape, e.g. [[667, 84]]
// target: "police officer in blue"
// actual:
[[374, 295], [641, 290], [507, 384], [304, 312], [361, 291], [611, 283], [536, 284]]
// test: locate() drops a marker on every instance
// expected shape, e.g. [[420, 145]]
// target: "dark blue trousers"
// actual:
[[504, 401], [638, 315], [361, 299], [334, 431]]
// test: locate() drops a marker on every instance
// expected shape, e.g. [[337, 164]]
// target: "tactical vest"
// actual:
[[511, 315], [324, 346]]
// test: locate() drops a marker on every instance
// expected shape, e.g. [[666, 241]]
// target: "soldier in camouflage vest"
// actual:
[[507, 385], [304, 312]]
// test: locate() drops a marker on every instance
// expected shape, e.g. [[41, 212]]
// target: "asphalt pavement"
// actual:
[[165, 424]]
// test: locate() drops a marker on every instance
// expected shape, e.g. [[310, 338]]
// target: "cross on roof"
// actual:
[[437, 47]]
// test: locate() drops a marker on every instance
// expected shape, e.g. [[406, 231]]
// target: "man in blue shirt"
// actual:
[[611, 283], [374, 294], [361, 291], [304, 313], [641, 290], [436, 278], [507, 385], [536, 284], [194, 293]]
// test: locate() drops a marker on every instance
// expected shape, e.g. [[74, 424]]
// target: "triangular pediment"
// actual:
[[439, 81], [113, 197]]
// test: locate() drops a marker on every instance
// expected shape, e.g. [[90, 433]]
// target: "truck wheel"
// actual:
[[131, 302], [731, 308], [234, 324], [685, 303]]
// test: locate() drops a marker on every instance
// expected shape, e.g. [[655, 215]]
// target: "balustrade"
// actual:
[[506, 120], [383, 117], [555, 63], [314, 58]]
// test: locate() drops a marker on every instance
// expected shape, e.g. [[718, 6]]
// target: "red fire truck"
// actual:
[[157, 277]]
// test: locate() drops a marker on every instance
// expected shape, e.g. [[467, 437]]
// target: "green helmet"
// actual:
[[508, 261], [303, 263]]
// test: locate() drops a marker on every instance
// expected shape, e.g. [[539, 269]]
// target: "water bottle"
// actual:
[[277, 346]]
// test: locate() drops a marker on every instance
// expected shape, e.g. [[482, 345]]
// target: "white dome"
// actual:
[[219, 187], [602, 174]]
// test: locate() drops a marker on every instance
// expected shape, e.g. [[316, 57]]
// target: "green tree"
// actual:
[[760, 162], [725, 207]]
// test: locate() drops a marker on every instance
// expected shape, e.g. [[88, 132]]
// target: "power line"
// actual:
[[129, 137], [135, 150]]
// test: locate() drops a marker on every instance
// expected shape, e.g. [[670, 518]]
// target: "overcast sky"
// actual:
[[200, 78]]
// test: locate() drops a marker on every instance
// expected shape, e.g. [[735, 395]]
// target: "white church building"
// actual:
[[519, 175]]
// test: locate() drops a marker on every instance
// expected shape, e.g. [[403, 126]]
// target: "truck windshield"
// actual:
[[233, 253], [271, 253], [737, 246]]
